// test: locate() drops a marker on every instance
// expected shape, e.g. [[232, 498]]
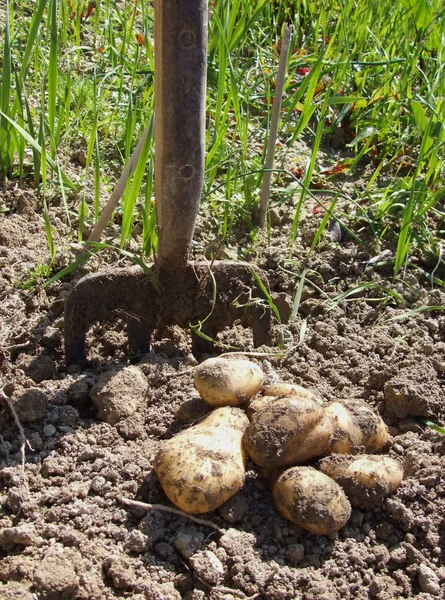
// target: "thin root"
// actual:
[[175, 511], [23, 440]]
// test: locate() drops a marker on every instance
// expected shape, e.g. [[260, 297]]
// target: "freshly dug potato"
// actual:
[[311, 500], [288, 431], [366, 479], [276, 390], [290, 389], [228, 382], [357, 427], [257, 403], [202, 467]]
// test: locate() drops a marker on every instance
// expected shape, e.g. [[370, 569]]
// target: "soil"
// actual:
[[84, 439]]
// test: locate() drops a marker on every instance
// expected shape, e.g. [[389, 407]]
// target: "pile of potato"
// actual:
[[280, 427]]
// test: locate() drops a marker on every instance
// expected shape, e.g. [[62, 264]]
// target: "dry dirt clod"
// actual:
[[119, 393], [22, 535], [38, 368], [207, 567], [16, 591], [56, 579], [428, 580], [30, 405], [414, 391]]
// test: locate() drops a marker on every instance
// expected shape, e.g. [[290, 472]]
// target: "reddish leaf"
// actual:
[[317, 208], [89, 11], [321, 86], [140, 38], [297, 172], [336, 169]]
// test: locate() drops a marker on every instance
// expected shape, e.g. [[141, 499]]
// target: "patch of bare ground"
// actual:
[[64, 530]]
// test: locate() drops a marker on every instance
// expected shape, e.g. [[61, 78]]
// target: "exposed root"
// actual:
[[175, 511], [23, 441]]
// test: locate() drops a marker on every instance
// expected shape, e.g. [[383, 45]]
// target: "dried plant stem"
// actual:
[[175, 511], [23, 440], [265, 190], [118, 190]]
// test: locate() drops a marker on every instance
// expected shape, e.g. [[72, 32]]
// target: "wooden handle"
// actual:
[[180, 95]]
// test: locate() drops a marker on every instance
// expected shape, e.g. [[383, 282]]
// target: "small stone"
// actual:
[[188, 542], [283, 304], [295, 553], [428, 580], [190, 360], [49, 431], [31, 405], [119, 393], [207, 567]]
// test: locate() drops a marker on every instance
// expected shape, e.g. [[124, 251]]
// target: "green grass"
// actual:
[[73, 77]]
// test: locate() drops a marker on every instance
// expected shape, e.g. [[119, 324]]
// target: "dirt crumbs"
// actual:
[[76, 443]]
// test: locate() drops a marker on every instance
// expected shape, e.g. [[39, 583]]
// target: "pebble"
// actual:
[[428, 580], [49, 430], [188, 542], [295, 553]]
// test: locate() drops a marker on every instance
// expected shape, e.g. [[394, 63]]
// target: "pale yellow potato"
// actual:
[[366, 479], [257, 403], [278, 390], [202, 467], [311, 500], [357, 427], [228, 382], [282, 388], [282, 433]]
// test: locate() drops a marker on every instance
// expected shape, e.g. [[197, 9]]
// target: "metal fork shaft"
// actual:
[[180, 95]]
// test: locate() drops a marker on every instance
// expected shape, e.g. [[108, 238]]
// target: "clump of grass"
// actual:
[[370, 72], [38, 276]]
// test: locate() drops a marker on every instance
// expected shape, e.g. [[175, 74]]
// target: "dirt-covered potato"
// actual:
[[357, 427], [228, 382], [288, 431], [366, 479], [311, 500], [276, 390], [257, 403], [282, 388], [202, 467]]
